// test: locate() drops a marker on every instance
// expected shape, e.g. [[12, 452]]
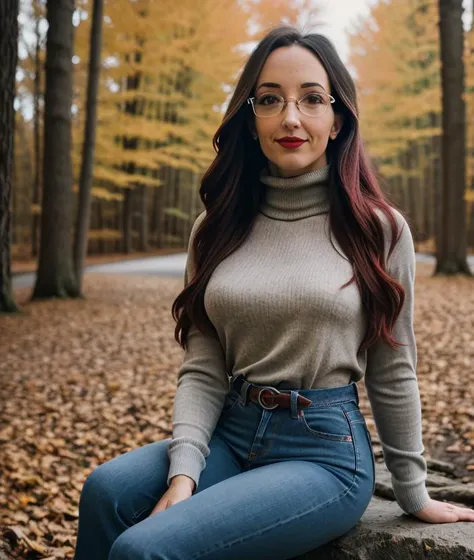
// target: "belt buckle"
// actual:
[[276, 392]]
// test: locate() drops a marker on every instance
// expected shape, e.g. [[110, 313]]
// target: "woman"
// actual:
[[299, 281]]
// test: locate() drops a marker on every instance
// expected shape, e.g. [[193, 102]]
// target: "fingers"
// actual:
[[443, 512], [465, 514], [166, 504], [458, 513], [160, 506]]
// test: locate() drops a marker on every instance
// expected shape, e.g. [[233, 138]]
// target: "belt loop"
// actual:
[[244, 390], [356, 391], [242, 386], [294, 404]]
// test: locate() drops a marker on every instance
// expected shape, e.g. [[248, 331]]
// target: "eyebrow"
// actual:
[[304, 85]]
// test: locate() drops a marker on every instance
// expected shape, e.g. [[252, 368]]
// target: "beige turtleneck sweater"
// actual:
[[280, 317]]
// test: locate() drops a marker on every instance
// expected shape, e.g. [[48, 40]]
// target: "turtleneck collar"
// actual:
[[294, 198]]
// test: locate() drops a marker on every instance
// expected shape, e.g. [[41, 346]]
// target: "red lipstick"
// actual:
[[291, 142]]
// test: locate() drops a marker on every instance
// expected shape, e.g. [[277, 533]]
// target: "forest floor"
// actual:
[[86, 380]]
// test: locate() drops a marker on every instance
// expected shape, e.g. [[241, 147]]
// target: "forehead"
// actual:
[[292, 66]]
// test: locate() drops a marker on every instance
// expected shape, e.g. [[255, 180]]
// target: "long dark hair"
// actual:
[[231, 193]]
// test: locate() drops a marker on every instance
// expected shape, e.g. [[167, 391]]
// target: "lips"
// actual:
[[291, 142]]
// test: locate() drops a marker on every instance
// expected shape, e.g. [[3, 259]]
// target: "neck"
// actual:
[[294, 198]]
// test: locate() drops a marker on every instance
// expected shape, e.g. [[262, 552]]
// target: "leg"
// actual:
[[273, 512], [123, 491]]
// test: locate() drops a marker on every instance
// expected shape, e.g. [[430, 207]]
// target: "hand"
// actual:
[[181, 488], [442, 512]]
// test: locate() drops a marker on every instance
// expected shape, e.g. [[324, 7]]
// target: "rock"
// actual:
[[385, 532], [440, 466], [434, 465], [460, 493], [439, 487]]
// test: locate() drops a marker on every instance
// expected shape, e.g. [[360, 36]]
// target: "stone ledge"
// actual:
[[440, 487], [385, 532]]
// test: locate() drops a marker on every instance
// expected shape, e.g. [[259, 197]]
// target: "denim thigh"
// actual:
[[122, 492]]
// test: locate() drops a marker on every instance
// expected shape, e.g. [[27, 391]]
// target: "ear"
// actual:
[[336, 127]]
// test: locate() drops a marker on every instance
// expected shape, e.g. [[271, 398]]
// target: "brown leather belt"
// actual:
[[270, 398]]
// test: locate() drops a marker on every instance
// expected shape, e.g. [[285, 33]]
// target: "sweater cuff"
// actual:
[[411, 498], [186, 459]]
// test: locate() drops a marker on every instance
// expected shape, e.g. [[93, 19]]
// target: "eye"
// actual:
[[313, 99], [268, 99]]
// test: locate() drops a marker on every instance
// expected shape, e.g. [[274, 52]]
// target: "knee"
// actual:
[[99, 488], [129, 546]]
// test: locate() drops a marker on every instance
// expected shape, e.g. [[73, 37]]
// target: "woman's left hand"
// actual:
[[442, 512]]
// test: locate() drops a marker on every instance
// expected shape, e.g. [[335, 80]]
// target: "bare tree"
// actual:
[[55, 276], [83, 212], [451, 243], [8, 57]]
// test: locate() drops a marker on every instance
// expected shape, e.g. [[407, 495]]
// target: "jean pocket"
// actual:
[[329, 423]]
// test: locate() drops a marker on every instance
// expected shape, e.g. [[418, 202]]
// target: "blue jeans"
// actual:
[[277, 483]]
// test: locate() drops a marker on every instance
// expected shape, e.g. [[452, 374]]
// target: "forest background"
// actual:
[[102, 150], [166, 73]]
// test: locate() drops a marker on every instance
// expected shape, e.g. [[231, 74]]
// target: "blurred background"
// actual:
[[166, 72]]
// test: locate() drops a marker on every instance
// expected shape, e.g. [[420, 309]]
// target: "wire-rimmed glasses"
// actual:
[[272, 104]]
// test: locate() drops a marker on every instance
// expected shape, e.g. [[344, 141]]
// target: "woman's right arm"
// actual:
[[201, 389]]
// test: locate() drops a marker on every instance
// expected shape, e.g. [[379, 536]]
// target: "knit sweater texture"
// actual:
[[280, 316]]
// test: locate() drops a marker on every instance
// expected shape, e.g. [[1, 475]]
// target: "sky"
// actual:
[[339, 16]]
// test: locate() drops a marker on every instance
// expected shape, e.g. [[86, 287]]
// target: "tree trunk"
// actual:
[[451, 245], [55, 274], [118, 243], [438, 177], [144, 220], [127, 220], [130, 143], [101, 225], [428, 190], [84, 203], [168, 204], [36, 97], [8, 56], [159, 209]]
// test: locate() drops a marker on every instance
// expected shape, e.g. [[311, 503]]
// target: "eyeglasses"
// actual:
[[271, 105]]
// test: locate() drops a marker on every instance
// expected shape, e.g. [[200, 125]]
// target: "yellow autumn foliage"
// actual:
[[395, 54]]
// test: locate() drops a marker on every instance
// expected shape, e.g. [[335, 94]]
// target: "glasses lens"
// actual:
[[314, 104], [268, 105]]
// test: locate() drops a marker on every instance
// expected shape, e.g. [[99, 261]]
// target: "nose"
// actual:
[[291, 115]]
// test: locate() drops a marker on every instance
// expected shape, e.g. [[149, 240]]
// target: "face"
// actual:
[[291, 68]]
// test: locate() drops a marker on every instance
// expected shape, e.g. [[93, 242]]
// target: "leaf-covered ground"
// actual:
[[86, 380]]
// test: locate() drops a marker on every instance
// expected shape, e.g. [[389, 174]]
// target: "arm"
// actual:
[[392, 386], [201, 389]]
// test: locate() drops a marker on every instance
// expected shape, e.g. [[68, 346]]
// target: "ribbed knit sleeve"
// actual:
[[392, 385], [201, 389]]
